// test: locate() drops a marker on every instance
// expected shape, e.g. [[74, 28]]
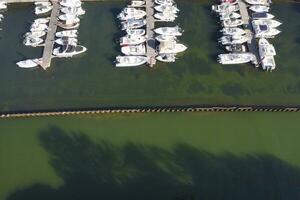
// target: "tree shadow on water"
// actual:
[[104, 171]]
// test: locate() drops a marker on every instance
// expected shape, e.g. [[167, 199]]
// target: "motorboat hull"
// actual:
[[130, 61]]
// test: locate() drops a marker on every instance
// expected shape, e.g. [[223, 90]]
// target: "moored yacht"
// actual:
[[266, 53], [66, 41], [39, 10], [68, 51], [162, 8], [231, 15], [235, 58], [70, 3], [165, 38], [164, 2], [134, 50], [41, 21], [262, 15], [73, 10], [136, 32], [130, 61], [259, 8], [68, 33], [165, 16], [236, 48], [132, 40], [232, 22], [133, 23], [171, 47], [137, 4], [265, 31], [258, 2], [233, 31], [29, 63], [225, 7], [172, 31], [132, 13], [38, 27], [32, 41], [235, 39], [35, 34], [269, 22]]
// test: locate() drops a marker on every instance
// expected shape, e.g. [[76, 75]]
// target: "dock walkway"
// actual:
[[50, 39], [251, 43], [150, 44]]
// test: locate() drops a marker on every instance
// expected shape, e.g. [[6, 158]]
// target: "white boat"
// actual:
[[258, 2], [166, 57], [42, 3], [266, 53], [171, 47], [66, 41], [68, 51], [69, 17], [32, 41], [35, 34], [235, 58], [225, 7], [232, 15], [259, 8], [70, 3], [136, 32], [29, 63], [130, 61], [133, 23], [38, 27], [137, 4], [73, 10], [164, 2], [236, 48], [132, 13], [165, 38], [134, 50], [269, 22], [265, 31], [232, 22], [235, 39], [229, 1], [69, 24], [39, 10], [132, 40], [262, 15], [166, 17], [172, 31], [3, 5], [69, 33], [233, 31], [162, 8], [41, 21]]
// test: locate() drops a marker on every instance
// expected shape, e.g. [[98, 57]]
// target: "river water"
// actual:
[[91, 80]]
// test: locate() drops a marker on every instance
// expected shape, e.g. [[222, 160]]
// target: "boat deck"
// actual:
[[251, 43], [150, 44], [50, 39]]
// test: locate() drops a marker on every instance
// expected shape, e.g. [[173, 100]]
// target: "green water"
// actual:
[[91, 81], [220, 156]]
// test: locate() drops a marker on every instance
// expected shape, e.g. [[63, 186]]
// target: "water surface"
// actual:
[[91, 80]]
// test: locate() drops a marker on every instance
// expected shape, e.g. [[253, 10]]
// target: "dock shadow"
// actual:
[[103, 170]]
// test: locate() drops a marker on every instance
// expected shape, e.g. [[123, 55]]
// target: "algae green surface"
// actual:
[[162, 156]]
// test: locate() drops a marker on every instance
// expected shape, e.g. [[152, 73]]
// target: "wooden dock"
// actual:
[[150, 44], [251, 43], [50, 39]]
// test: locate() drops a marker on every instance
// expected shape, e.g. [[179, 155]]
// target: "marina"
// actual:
[[257, 24], [143, 43], [196, 78]]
